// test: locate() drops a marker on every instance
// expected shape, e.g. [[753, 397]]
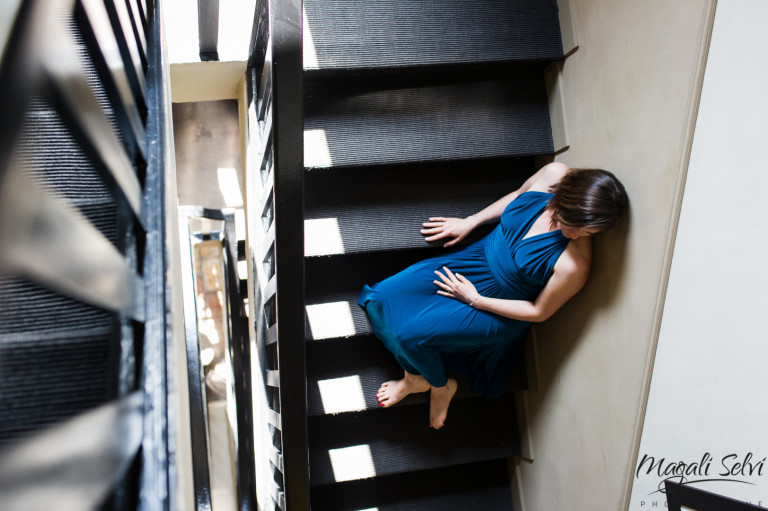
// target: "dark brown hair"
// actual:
[[588, 199]]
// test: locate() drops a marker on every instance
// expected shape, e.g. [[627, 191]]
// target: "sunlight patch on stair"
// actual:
[[310, 54], [342, 394], [322, 236], [230, 187], [329, 320], [240, 225], [350, 463], [242, 270], [316, 151]]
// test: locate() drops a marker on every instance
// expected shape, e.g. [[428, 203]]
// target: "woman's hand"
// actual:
[[456, 286], [439, 228]]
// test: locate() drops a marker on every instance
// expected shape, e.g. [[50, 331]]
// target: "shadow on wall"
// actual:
[[565, 331], [608, 265]]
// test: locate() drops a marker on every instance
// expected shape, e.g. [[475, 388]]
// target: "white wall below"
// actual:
[[709, 380]]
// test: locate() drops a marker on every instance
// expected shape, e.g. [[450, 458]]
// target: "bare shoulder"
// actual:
[[548, 175], [575, 260]]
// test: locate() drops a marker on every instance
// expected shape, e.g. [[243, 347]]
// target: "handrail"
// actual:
[[239, 347], [240, 354], [195, 381], [288, 164], [275, 81], [158, 461]]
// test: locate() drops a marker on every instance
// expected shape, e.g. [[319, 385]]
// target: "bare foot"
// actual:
[[393, 391], [439, 400]]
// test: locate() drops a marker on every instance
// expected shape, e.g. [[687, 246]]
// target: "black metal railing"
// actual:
[[275, 74], [83, 158], [208, 29], [239, 355], [198, 407]]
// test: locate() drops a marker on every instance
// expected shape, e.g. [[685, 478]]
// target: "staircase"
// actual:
[[412, 109], [83, 313]]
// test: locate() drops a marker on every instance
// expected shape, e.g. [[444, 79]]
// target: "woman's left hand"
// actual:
[[456, 286]]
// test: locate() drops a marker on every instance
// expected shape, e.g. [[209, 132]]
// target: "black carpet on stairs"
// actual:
[[399, 439], [349, 34], [473, 486], [346, 124]]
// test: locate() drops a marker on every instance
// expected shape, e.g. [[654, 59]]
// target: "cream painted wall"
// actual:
[[206, 81], [182, 488], [712, 351], [631, 94]]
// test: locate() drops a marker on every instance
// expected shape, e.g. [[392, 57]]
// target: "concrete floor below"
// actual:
[[208, 161]]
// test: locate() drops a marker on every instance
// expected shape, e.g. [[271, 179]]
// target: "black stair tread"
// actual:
[[348, 34], [344, 376], [53, 376], [395, 225], [351, 211], [398, 439], [51, 155], [351, 125], [336, 274], [29, 310], [50, 152], [473, 486]]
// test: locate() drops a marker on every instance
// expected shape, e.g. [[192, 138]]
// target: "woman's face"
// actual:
[[575, 232]]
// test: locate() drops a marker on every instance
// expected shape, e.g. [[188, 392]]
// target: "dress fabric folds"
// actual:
[[428, 333]]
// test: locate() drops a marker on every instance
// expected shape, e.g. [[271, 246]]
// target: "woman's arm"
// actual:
[[569, 277], [546, 176], [456, 229]]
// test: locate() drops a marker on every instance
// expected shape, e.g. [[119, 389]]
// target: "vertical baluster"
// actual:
[[138, 29]]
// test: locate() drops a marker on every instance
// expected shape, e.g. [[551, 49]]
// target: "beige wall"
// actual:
[[631, 93], [206, 81], [182, 489]]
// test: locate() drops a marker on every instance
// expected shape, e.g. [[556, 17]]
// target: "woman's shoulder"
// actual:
[[528, 199], [576, 258], [548, 175]]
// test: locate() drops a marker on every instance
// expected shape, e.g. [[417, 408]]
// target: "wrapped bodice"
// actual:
[[523, 265]]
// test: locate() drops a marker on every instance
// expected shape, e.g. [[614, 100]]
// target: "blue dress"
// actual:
[[428, 333]]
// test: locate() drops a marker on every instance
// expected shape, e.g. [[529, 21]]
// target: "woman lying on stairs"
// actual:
[[469, 310]]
